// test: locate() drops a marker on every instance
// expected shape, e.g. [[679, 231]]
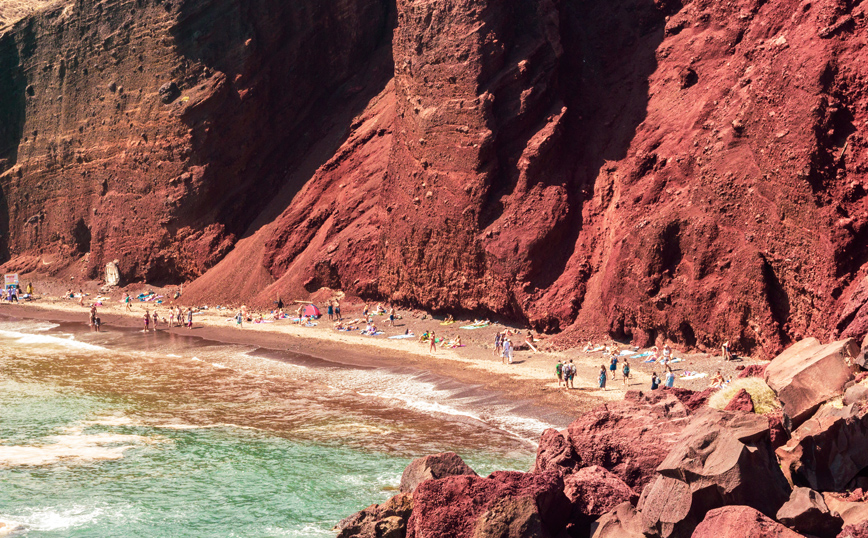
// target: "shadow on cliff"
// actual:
[[272, 80], [609, 55], [13, 102]]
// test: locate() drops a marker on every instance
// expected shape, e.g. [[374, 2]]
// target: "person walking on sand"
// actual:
[[432, 341], [127, 299], [603, 377], [507, 351], [147, 320], [613, 366], [572, 374], [189, 318], [626, 371], [559, 372]]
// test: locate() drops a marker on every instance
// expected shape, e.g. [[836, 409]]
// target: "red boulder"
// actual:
[[504, 504], [554, 452], [806, 512], [432, 467], [859, 530], [740, 522], [740, 402]]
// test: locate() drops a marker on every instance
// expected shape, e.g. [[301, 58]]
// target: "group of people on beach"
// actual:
[[176, 319]]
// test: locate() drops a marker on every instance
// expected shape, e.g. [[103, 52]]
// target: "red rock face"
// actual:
[[690, 171]]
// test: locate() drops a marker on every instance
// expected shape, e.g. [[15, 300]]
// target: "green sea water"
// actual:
[[123, 434]]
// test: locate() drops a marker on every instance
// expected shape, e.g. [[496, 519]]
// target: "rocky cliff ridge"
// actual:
[[691, 170]]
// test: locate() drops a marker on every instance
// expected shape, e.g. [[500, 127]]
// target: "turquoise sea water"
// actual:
[[126, 434]]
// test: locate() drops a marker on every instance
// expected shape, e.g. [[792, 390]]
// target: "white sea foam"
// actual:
[[55, 519], [72, 447], [27, 339]]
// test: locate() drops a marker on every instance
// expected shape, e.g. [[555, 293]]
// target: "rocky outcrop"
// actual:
[[808, 374], [433, 467], [621, 522], [387, 520], [738, 522], [593, 491], [806, 512], [853, 512], [859, 530], [504, 504], [642, 168], [722, 459], [828, 450], [629, 438]]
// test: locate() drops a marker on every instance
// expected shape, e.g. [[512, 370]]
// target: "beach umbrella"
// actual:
[[311, 310]]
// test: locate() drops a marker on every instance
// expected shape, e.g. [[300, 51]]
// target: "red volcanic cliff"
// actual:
[[687, 170]]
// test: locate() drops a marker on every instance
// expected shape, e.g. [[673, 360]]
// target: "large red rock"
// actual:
[[555, 452], [593, 491], [629, 438], [723, 459], [740, 402], [809, 373], [853, 512], [387, 520], [504, 504], [806, 512], [623, 521], [740, 522], [432, 467], [829, 449]]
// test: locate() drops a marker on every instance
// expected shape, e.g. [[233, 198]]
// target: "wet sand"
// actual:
[[530, 378]]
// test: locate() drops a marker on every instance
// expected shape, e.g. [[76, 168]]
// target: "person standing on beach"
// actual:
[[365, 311], [156, 320], [432, 345], [127, 302], [655, 381], [667, 354], [331, 311], [571, 374], [727, 355], [338, 310], [613, 366], [391, 316], [626, 371], [507, 351], [559, 372], [239, 319], [670, 377], [147, 319], [498, 343], [602, 377], [189, 318]]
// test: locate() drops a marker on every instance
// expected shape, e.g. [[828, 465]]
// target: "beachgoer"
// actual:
[[30, 288], [127, 302], [147, 320], [156, 320], [423, 337], [507, 351], [655, 381], [392, 316], [279, 303], [331, 312], [498, 344], [365, 311], [571, 374], [239, 319], [613, 366], [97, 323], [559, 372], [588, 347], [432, 345], [716, 381], [727, 355], [626, 371], [667, 353], [338, 310], [92, 318], [189, 318], [602, 377], [670, 377]]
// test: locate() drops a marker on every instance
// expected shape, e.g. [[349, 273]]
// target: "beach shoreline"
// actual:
[[529, 379]]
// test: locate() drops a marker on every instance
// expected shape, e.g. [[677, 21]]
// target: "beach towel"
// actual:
[[640, 355], [627, 352], [378, 333], [693, 375], [471, 327], [676, 360], [402, 336], [448, 322]]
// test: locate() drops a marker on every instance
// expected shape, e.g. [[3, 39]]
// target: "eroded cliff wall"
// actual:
[[692, 171]]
